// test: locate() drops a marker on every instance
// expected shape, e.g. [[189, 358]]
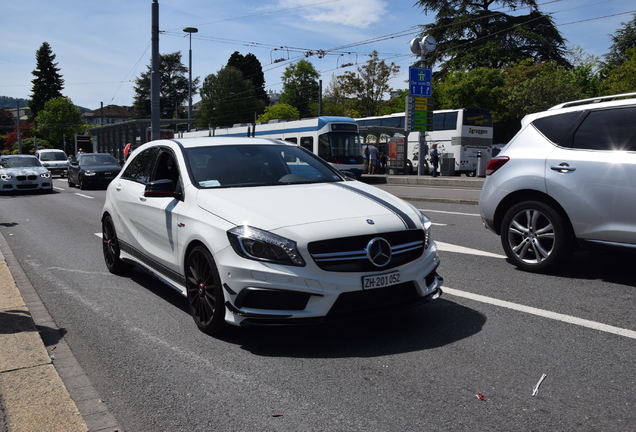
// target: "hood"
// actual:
[[342, 204], [24, 171]]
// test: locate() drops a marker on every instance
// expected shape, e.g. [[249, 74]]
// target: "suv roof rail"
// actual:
[[594, 100]]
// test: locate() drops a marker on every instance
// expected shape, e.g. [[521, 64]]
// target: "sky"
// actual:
[[102, 46]]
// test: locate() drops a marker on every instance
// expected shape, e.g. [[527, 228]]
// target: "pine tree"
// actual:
[[252, 71], [48, 83], [471, 35]]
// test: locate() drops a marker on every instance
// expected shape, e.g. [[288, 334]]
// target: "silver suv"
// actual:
[[567, 179]]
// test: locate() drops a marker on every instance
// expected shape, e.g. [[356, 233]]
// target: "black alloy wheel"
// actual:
[[535, 237], [204, 291], [110, 248]]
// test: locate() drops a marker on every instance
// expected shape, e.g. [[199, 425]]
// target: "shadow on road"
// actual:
[[433, 325]]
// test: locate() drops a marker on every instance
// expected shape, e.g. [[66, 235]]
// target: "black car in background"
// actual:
[[92, 170]]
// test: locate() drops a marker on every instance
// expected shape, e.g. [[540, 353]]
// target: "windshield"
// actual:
[[256, 165], [97, 159], [345, 144], [20, 162], [52, 156]]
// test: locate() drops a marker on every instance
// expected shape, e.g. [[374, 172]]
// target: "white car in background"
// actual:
[[54, 160], [262, 232], [23, 173], [567, 179]]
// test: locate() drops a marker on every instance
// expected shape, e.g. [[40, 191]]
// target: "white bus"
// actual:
[[335, 139], [459, 134]]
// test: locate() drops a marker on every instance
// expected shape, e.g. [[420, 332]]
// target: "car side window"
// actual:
[[610, 129], [555, 127], [166, 168], [140, 168]]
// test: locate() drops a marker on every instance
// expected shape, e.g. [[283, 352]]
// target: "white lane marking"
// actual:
[[448, 212], [98, 235], [84, 196], [438, 224], [447, 247], [58, 188], [543, 313]]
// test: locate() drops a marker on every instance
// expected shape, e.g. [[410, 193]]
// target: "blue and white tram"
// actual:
[[335, 139]]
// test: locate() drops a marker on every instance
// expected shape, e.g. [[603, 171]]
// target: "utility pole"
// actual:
[[155, 82]]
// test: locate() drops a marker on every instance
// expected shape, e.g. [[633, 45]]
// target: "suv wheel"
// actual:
[[535, 237]]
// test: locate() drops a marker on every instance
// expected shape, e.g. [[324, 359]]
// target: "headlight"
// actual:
[[253, 243], [89, 173], [426, 224], [5, 177], [45, 175]]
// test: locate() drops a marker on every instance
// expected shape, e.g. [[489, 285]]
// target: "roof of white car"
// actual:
[[222, 140]]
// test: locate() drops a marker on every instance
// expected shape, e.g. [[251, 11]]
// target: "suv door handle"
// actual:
[[564, 167]]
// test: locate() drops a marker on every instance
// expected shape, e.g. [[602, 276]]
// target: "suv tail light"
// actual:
[[495, 163]]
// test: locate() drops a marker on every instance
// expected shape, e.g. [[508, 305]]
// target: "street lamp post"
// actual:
[[190, 30]]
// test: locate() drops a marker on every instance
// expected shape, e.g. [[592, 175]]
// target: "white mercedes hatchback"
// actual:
[[262, 232]]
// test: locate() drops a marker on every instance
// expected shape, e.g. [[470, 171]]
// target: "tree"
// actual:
[[48, 83], [470, 35], [60, 118], [532, 88], [300, 86], [27, 130], [336, 100], [173, 88], [279, 111], [622, 41], [227, 98], [369, 86], [6, 121], [478, 88], [622, 79], [252, 71]]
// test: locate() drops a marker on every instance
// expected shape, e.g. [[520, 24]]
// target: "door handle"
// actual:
[[563, 167]]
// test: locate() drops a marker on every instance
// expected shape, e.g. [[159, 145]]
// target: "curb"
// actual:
[[37, 363]]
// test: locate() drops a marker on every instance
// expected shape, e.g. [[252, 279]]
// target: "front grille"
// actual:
[[26, 177], [349, 254]]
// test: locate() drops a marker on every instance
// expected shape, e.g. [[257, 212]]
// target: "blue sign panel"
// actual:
[[420, 82]]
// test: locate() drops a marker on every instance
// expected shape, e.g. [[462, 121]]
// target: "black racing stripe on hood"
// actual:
[[408, 222]]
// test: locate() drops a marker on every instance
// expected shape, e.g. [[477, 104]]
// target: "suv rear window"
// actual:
[[555, 127], [610, 129]]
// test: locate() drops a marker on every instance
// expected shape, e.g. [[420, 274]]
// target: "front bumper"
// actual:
[[258, 295], [355, 305]]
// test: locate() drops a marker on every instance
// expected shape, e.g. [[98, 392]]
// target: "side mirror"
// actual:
[[163, 188], [348, 175]]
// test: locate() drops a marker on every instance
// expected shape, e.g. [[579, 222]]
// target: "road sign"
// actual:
[[419, 114], [420, 82]]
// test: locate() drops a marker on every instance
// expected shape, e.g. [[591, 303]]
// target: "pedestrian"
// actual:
[[373, 158], [366, 160], [382, 163], [434, 160]]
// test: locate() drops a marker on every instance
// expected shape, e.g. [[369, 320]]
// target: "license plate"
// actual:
[[380, 281], [27, 182]]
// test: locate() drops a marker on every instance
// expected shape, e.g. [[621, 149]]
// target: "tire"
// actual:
[[204, 291], [80, 183], [70, 182], [110, 248], [535, 237], [409, 167]]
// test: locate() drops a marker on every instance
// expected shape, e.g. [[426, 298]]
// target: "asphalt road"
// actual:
[[495, 333]]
